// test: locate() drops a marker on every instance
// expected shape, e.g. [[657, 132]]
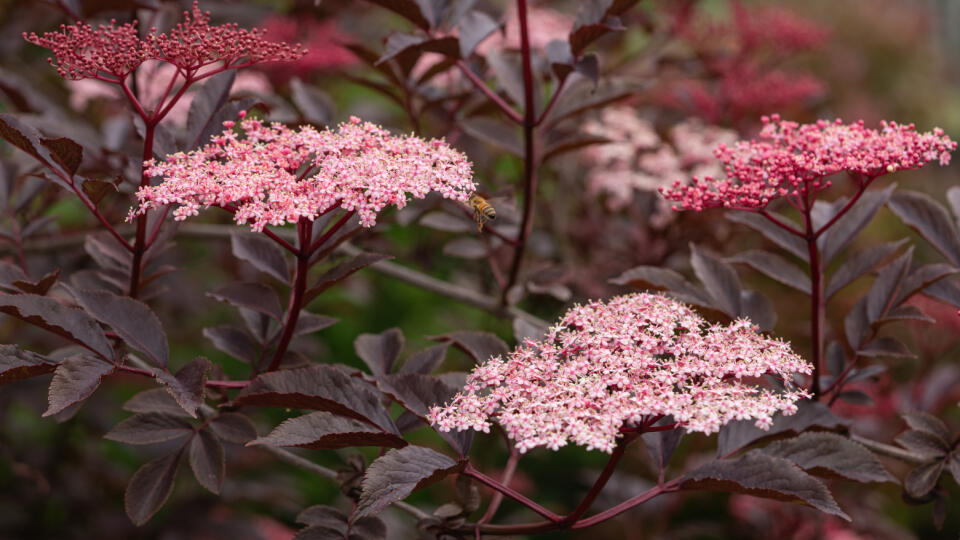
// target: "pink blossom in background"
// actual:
[[358, 167], [636, 159], [737, 54], [612, 364], [111, 53], [788, 159], [545, 25], [321, 39]]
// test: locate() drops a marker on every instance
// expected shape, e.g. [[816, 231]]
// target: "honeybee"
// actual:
[[482, 211]]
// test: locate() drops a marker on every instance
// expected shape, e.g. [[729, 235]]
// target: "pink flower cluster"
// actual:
[[737, 55], [610, 365], [790, 160], [275, 175], [83, 51], [637, 159]]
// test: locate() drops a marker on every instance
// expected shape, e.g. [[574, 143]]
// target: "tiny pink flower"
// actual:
[[610, 365]]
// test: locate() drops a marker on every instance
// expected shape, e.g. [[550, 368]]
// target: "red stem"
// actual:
[[862, 187], [330, 232], [211, 384], [140, 241], [491, 95], [508, 470], [529, 152], [601, 481], [304, 230], [817, 305], [781, 224], [509, 492]]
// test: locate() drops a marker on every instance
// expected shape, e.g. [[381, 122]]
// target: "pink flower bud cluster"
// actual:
[[275, 175], [612, 365], [790, 159], [82, 51]]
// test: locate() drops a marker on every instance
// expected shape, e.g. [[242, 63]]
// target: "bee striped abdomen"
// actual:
[[482, 210]]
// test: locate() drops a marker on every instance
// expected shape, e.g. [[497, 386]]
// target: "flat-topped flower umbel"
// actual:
[[616, 364], [110, 52], [792, 160], [275, 175]]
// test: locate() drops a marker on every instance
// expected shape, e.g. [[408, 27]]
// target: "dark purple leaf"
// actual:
[[368, 528], [719, 279], [886, 288], [17, 363], [314, 105], [856, 397], [508, 73], [442, 221], [417, 393], [662, 444], [407, 422], [323, 516], [206, 102], [789, 242], [149, 428], [927, 422], [845, 229], [41, 287], [233, 341], [264, 254], [859, 264], [945, 290], [929, 218], [425, 361], [855, 323], [465, 248], [9, 274], [494, 132], [759, 309], [321, 387], [150, 487], [207, 460], [27, 138], [72, 324], [569, 144], [308, 323], [954, 465], [762, 475], [662, 279], [132, 319], [886, 346], [831, 454], [408, 9], [234, 427], [319, 533], [865, 373], [253, 296], [399, 473], [326, 431], [560, 57], [923, 443], [774, 266], [923, 479], [922, 277], [74, 380], [583, 96], [400, 44], [480, 345], [589, 66], [836, 360], [475, 26], [738, 434], [155, 400], [342, 271], [596, 18], [908, 313], [187, 386], [379, 351]]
